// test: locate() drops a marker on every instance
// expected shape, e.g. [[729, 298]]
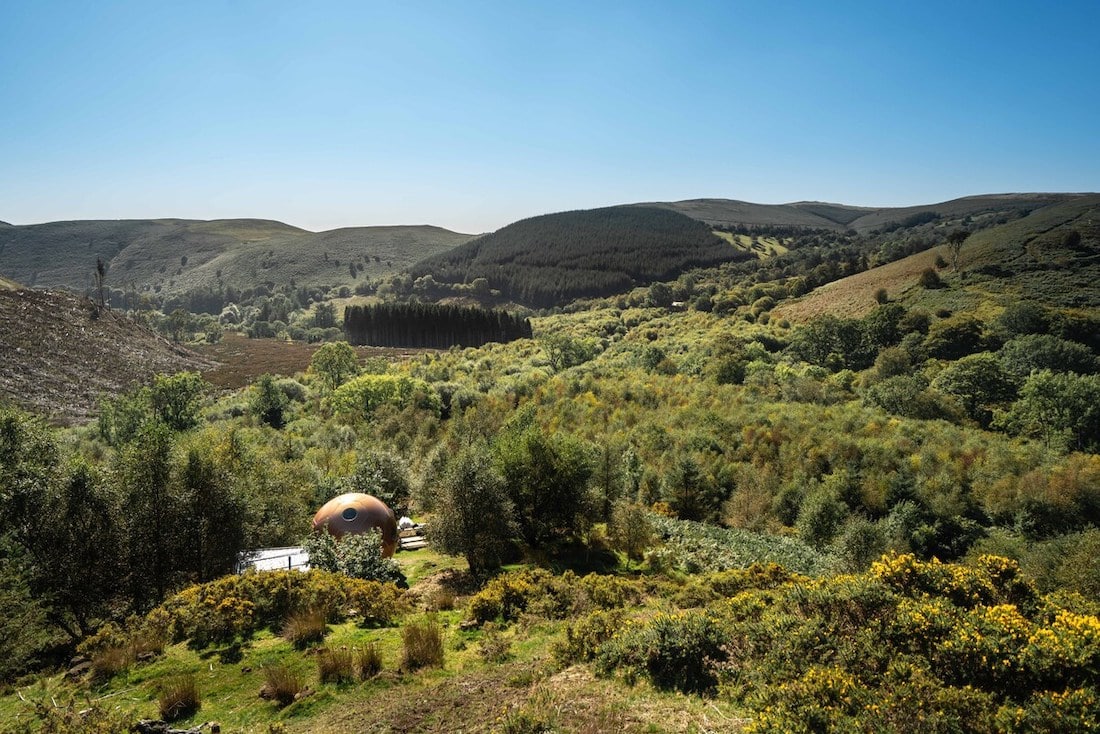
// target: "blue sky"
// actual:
[[471, 115]]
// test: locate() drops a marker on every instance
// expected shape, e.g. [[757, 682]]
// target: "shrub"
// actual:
[[336, 666], [358, 556], [508, 595], [757, 576], [73, 716], [359, 397], [677, 652], [908, 576], [423, 644], [282, 684], [368, 661], [1074, 709], [237, 606], [305, 628], [605, 592], [630, 530], [929, 278], [494, 646], [179, 698], [584, 637]]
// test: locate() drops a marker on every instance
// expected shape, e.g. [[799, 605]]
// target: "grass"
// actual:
[[282, 683], [336, 666], [179, 698], [469, 694], [422, 642], [368, 661], [108, 663], [305, 628]]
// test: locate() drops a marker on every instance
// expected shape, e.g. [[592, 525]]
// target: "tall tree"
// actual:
[[547, 479], [334, 363], [474, 514], [955, 242]]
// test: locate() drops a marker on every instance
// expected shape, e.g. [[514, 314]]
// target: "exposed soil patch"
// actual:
[[237, 361]]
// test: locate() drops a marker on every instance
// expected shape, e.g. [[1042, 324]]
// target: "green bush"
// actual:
[[360, 396], [508, 595], [234, 607], [584, 637], [358, 556], [679, 652], [537, 591]]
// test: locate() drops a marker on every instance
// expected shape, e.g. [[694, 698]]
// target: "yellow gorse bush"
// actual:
[[234, 607]]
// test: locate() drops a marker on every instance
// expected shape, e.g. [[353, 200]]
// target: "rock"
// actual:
[[78, 671]]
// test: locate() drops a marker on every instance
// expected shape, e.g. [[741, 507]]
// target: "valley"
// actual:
[[756, 468]]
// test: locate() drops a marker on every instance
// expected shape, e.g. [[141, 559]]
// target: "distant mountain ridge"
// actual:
[[825, 215], [166, 258], [173, 256], [1051, 256]]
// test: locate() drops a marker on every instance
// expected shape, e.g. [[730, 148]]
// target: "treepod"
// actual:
[[354, 513]]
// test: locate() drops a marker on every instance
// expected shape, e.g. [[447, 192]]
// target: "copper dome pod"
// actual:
[[354, 513]]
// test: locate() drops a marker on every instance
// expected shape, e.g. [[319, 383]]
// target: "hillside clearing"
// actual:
[[854, 296]]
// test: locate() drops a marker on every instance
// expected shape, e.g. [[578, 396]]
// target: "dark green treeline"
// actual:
[[432, 326]]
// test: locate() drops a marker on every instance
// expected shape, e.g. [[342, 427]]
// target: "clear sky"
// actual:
[[471, 115]]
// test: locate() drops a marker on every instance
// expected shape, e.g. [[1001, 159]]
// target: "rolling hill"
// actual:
[[174, 256], [61, 354], [821, 215], [554, 258], [1051, 256]]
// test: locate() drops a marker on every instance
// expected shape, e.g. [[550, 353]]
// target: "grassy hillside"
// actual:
[[173, 256], [839, 213], [1034, 258], [969, 206], [548, 260], [61, 354]]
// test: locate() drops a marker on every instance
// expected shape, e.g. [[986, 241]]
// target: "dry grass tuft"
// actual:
[[179, 698], [368, 661], [111, 661], [303, 629], [423, 644], [336, 666], [282, 684]]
